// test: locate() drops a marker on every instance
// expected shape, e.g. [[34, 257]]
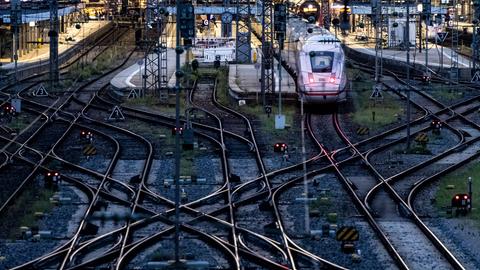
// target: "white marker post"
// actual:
[[470, 192]]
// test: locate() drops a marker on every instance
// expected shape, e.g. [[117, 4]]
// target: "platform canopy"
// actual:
[[41, 16]]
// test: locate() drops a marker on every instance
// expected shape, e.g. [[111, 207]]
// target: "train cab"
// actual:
[[321, 69]]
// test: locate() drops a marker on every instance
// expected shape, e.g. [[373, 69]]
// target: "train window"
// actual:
[[321, 61]]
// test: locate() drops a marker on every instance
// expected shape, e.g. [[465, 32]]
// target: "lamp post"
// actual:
[[406, 41], [420, 10], [178, 73]]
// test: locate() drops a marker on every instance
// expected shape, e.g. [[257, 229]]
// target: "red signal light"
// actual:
[[56, 174], [457, 197], [48, 174], [465, 197]]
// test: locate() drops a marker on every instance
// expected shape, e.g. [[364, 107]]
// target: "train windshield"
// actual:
[[321, 61]]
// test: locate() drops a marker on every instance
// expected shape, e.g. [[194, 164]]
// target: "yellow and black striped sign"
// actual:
[[363, 131], [89, 150], [347, 234], [421, 138]]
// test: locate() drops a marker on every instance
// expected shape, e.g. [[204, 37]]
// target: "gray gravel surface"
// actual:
[[58, 221], [460, 235], [195, 248], [374, 256], [205, 167]]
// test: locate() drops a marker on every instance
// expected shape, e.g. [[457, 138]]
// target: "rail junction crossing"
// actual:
[[239, 134]]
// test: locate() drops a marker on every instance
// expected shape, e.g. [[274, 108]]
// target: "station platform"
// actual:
[[70, 38], [131, 76], [244, 81], [439, 57]]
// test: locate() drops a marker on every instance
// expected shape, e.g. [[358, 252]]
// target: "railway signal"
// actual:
[[280, 22], [52, 178], [461, 203], [436, 125], [187, 21], [86, 135], [174, 131], [280, 147], [8, 110], [195, 64], [216, 63], [426, 79]]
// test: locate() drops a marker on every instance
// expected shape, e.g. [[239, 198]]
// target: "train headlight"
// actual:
[[310, 78], [332, 78]]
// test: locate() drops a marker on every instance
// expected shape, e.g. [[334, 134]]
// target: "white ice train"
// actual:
[[319, 61]]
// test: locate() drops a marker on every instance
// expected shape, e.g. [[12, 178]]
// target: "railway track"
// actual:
[[440, 108], [228, 205]]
